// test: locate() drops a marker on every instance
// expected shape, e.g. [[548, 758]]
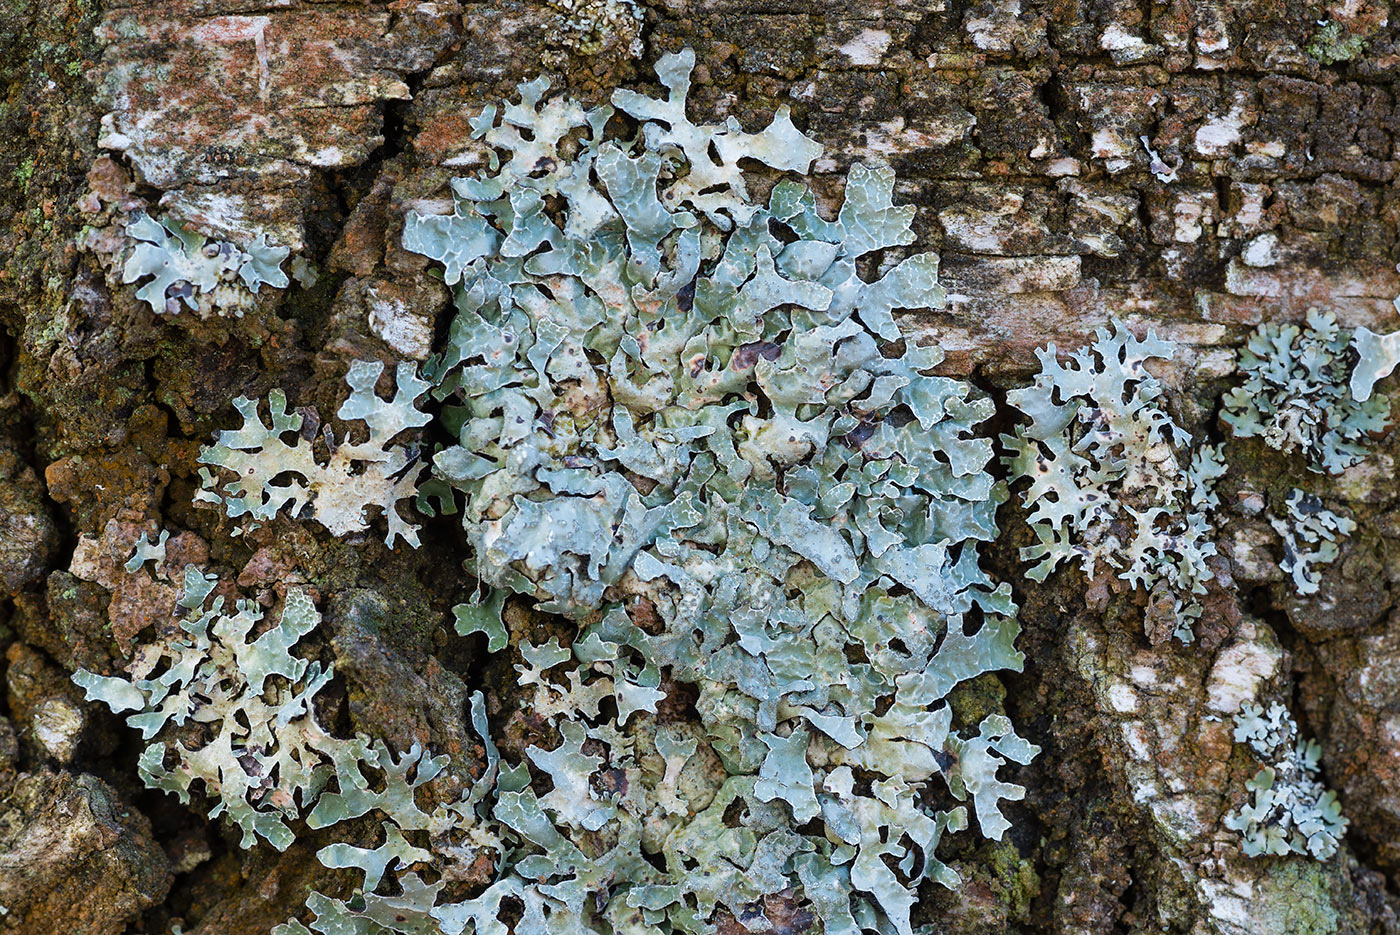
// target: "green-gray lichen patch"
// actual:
[[1311, 534], [677, 405], [252, 697], [252, 460], [1300, 392], [681, 423], [1333, 43], [1289, 811], [148, 551], [1102, 455], [262, 754], [183, 267], [587, 27], [1376, 357]]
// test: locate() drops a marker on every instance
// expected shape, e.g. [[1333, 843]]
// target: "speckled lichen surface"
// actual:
[[1200, 171]]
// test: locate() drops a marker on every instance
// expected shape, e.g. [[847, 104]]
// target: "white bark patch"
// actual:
[[1122, 698], [1261, 251], [1123, 45], [397, 326], [1135, 736], [1226, 907], [58, 726], [993, 32], [1237, 673], [1191, 213], [868, 47], [1218, 135]]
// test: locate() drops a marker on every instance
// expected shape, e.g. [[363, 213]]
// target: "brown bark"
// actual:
[[1196, 166]]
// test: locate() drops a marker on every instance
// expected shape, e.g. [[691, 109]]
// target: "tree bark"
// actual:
[[1196, 167]]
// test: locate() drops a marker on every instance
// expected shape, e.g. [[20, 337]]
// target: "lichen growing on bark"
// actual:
[[1298, 394], [258, 474], [1019, 135], [1108, 482], [1290, 811], [669, 396], [672, 402], [1310, 534], [183, 268]]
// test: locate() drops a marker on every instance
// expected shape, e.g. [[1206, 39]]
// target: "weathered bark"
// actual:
[[1194, 166]]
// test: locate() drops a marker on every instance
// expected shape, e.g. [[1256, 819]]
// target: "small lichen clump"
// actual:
[[1298, 394], [258, 748], [186, 268], [1376, 357], [1289, 811], [587, 27], [250, 696], [1107, 482], [1310, 534], [260, 473]]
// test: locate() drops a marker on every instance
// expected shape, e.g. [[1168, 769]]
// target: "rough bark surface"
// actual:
[[1196, 166]]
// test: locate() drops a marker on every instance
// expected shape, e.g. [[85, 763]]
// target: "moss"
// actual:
[[1332, 44], [24, 172], [977, 698]]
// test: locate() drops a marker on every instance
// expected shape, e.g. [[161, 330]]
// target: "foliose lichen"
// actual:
[[1108, 482], [234, 713], [259, 473], [1301, 393], [1289, 811], [1376, 357], [250, 696], [1310, 533], [687, 422], [187, 269], [674, 407]]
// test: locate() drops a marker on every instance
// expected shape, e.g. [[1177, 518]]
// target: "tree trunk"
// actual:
[[1194, 168]]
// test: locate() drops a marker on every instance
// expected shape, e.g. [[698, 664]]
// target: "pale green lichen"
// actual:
[[251, 696], [1289, 811], [1107, 483], [260, 751], [186, 268], [1310, 533], [1376, 357], [586, 27], [1332, 43], [672, 400], [148, 551], [1300, 393], [261, 473], [683, 423], [1264, 729]]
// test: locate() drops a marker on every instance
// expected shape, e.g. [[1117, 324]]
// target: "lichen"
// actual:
[[147, 551], [251, 697], [1310, 533], [587, 27], [1107, 483], [261, 473], [235, 713], [1376, 357], [687, 422], [1300, 393], [186, 268], [673, 402], [1289, 810], [1332, 43]]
